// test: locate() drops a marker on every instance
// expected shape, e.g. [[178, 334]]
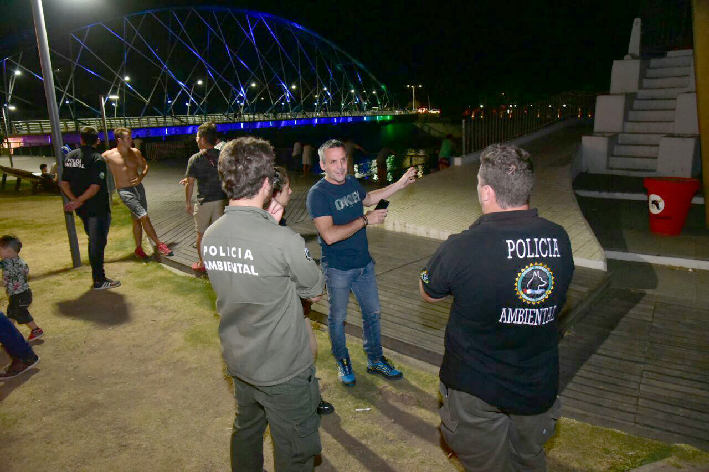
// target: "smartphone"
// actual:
[[382, 205]]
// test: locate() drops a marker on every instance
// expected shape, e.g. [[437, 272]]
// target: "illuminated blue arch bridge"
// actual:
[[164, 72]]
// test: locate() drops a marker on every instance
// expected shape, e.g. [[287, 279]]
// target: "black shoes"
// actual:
[[325, 408]]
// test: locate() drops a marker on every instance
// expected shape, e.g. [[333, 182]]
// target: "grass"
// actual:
[[132, 376]]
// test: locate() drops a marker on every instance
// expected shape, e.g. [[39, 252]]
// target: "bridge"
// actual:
[[163, 72]]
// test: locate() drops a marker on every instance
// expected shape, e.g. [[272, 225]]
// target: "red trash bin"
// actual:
[[669, 200]]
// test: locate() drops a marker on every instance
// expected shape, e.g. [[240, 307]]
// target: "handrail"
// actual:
[[28, 127]]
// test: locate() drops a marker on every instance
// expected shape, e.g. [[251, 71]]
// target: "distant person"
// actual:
[[350, 147], [281, 194], [22, 357], [308, 151], [203, 168], [296, 154], [508, 276], [336, 205], [129, 168], [260, 271], [15, 273], [382, 157], [84, 184], [446, 152], [48, 180]]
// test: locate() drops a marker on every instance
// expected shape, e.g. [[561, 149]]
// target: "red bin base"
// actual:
[[669, 200]]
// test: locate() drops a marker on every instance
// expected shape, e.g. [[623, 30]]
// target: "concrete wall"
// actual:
[[678, 157], [627, 75], [611, 111]]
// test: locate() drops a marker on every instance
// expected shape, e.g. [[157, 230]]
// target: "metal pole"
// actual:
[[48, 78], [109, 177]]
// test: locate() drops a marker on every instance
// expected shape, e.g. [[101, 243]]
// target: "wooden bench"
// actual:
[[20, 174]]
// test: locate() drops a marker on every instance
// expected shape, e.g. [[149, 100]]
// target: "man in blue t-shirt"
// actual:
[[336, 204]]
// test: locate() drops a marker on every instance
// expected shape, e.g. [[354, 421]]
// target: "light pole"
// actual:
[[114, 102], [51, 97], [189, 99], [413, 95]]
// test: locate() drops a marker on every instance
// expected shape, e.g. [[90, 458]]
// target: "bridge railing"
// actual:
[[488, 125], [28, 127]]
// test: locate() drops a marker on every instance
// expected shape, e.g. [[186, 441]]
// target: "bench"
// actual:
[[20, 174]]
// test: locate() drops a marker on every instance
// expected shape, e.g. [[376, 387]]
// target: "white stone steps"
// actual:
[[666, 82], [680, 52], [640, 138], [672, 61], [636, 150], [653, 73], [655, 104], [665, 127], [631, 172], [652, 115], [632, 163], [663, 93]]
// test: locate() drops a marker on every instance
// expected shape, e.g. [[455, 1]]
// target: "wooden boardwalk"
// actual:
[[640, 363]]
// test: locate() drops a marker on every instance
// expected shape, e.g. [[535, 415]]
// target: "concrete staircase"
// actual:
[[651, 115]]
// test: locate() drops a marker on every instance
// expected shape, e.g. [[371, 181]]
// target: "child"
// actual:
[[14, 276]]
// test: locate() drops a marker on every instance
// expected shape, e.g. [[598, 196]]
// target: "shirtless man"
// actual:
[[125, 162]]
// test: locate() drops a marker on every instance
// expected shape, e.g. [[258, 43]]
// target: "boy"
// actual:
[[14, 276]]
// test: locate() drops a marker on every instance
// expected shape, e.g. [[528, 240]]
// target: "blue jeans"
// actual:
[[362, 282], [96, 228], [13, 341]]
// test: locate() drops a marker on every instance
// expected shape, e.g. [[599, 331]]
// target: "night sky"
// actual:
[[461, 52]]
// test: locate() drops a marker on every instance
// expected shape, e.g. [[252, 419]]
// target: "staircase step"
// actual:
[[661, 93], [652, 115], [636, 150], [681, 71], [673, 61], [631, 172], [680, 52], [640, 138], [655, 104], [665, 127], [666, 82], [632, 163]]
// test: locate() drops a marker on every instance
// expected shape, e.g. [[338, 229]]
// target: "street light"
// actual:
[[115, 104], [11, 107], [50, 95], [126, 78], [413, 95], [18, 72], [189, 102]]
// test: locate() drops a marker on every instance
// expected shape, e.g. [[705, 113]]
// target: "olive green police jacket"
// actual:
[[260, 271]]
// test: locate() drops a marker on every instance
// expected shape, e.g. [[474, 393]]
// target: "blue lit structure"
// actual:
[[240, 65]]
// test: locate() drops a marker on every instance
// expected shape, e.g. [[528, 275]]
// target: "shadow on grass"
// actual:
[[8, 386], [369, 460], [103, 307]]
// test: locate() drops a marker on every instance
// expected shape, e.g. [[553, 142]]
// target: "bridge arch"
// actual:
[[195, 61]]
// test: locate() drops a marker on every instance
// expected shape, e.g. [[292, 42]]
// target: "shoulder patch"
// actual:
[[424, 276], [307, 255]]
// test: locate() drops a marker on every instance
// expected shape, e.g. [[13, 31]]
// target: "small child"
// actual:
[[14, 276]]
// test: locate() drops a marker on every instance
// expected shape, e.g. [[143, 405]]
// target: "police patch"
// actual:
[[424, 276], [101, 175], [534, 283], [307, 254]]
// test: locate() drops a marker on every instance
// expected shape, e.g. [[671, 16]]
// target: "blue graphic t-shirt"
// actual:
[[344, 204]]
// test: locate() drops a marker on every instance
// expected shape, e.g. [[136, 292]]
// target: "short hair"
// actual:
[[510, 172], [89, 135], [42, 166], [123, 132], [280, 179], [11, 241], [329, 144], [208, 131], [243, 164]]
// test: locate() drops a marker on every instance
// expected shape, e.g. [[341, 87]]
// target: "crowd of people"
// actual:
[[499, 377]]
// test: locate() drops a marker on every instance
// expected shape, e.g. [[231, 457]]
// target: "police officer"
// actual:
[[508, 275], [260, 271]]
